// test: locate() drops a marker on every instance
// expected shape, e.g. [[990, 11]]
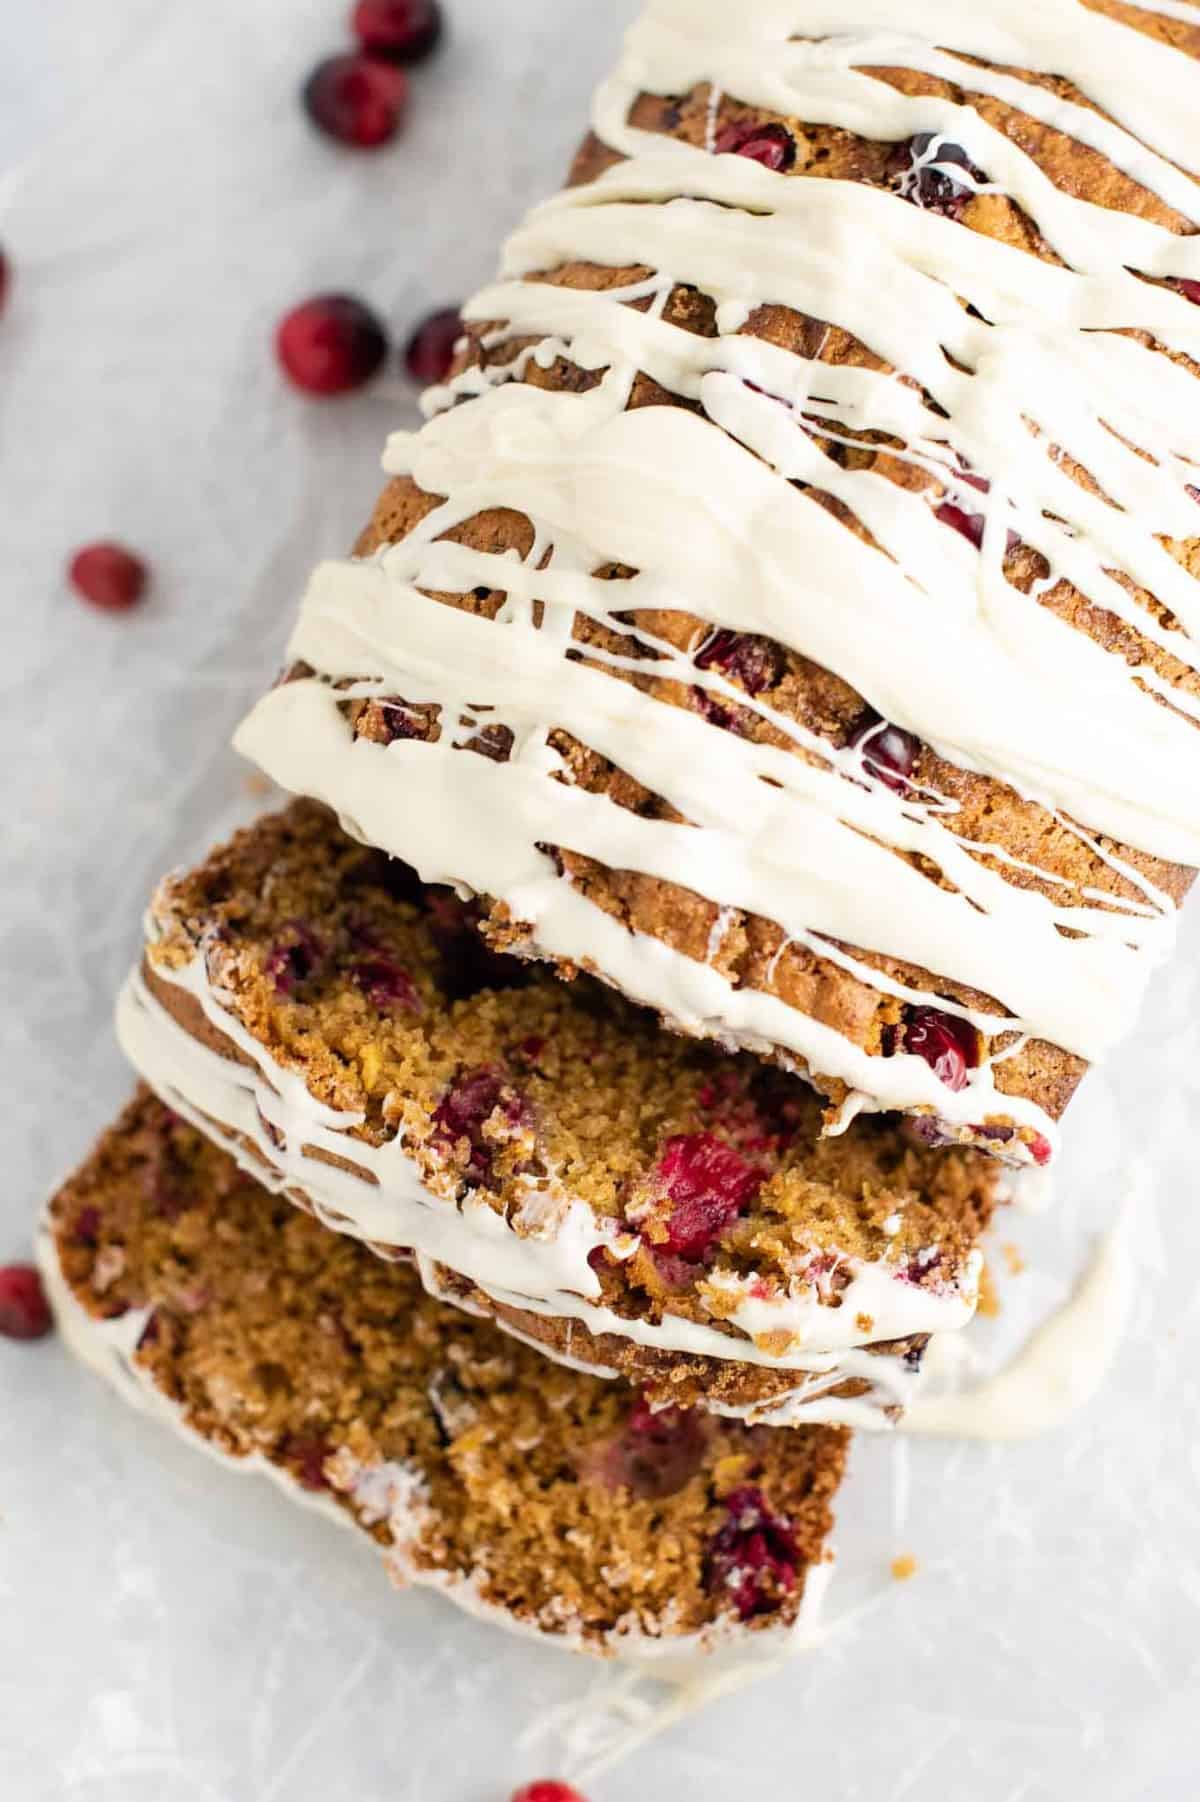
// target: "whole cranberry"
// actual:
[[889, 752], [708, 1185], [546, 1789], [356, 99], [949, 1045], [429, 353], [108, 576], [755, 662], [405, 31], [331, 344], [24, 1310], [771, 144]]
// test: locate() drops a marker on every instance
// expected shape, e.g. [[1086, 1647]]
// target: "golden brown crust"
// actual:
[[554, 1493], [753, 952]]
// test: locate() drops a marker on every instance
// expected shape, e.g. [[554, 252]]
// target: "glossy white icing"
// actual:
[[891, 1382], [703, 505], [1057, 1372], [396, 1494], [545, 1271]]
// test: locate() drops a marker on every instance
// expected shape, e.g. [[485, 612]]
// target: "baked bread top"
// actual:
[[788, 610]]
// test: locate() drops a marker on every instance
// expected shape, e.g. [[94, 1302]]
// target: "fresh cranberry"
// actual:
[[463, 1112], [1189, 289], [972, 525], [925, 174], [108, 576], [770, 144], [404, 30], [306, 1459], [24, 1310], [331, 344], [1040, 1149], [753, 1559], [546, 1789], [889, 752], [655, 1455], [708, 1185], [949, 1045], [386, 984], [752, 661], [295, 959], [356, 99], [429, 353], [5, 280]]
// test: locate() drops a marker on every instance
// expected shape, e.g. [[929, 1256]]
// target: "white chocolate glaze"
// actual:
[[1058, 1371], [260, 1105], [395, 1494], [890, 1381], [704, 506]]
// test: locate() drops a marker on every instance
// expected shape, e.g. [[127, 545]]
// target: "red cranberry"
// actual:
[[770, 144], [24, 1310], [386, 984], [754, 662], [924, 168], [655, 1455], [753, 1560], [708, 1185], [972, 525], [5, 280], [356, 99], [306, 1459], [546, 1789], [889, 752], [949, 1045], [463, 1112], [1040, 1149], [404, 30], [109, 577], [331, 344], [1189, 289], [429, 353], [718, 712]]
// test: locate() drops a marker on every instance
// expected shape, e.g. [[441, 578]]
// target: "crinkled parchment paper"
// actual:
[[171, 1632]]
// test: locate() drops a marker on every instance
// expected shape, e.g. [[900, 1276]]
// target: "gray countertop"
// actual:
[[173, 1632]]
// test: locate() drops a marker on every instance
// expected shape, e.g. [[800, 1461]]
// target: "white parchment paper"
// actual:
[[170, 1632]]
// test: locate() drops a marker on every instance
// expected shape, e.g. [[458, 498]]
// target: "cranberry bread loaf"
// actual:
[[625, 1198], [542, 1498], [788, 611]]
